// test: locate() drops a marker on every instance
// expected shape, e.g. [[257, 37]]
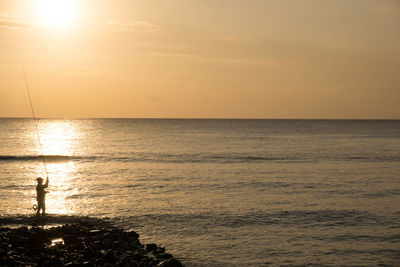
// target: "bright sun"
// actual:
[[56, 13]]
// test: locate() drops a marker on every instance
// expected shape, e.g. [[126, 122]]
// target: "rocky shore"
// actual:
[[82, 243]]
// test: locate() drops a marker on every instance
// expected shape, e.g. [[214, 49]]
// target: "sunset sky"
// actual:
[[201, 59]]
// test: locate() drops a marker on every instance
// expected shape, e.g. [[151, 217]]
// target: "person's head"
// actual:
[[39, 180]]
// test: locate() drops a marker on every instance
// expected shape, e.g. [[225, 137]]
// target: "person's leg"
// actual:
[[44, 208], [39, 207]]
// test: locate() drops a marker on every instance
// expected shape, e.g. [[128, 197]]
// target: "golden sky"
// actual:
[[201, 58]]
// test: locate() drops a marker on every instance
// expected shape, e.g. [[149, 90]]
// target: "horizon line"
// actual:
[[191, 118]]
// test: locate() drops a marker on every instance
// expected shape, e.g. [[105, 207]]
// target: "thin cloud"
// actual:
[[244, 60], [140, 25], [155, 98], [13, 24], [10, 21], [236, 38]]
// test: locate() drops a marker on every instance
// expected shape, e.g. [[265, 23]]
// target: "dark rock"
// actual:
[[170, 263], [124, 245], [87, 243], [88, 264], [165, 256], [160, 250], [137, 256], [126, 264], [150, 247], [72, 264], [10, 261], [133, 234], [70, 239], [110, 256], [80, 246], [95, 246], [107, 243]]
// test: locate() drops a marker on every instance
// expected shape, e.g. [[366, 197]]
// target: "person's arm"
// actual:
[[47, 182]]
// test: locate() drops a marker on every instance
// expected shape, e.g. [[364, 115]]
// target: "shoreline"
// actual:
[[78, 241]]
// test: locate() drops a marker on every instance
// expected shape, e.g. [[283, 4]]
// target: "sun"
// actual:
[[56, 13]]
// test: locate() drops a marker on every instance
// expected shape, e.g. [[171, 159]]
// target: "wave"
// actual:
[[198, 158], [302, 219], [41, 157], [223, 158]]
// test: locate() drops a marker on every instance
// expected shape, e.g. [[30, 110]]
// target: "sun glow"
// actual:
[[56, 13]]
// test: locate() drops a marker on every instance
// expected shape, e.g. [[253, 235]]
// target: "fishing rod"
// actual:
[[34, 117]]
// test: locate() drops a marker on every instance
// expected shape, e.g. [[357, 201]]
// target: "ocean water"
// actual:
[[219, 192]]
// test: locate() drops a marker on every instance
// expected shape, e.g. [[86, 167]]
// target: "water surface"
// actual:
[[219, 192]]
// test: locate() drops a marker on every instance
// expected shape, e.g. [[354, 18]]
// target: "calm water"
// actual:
[[220, 192]]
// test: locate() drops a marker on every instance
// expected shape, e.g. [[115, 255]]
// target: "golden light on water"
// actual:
[[58, 139], [56, 13], [60, 188]]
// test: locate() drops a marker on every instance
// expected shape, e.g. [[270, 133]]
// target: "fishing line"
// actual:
[[34, 117]]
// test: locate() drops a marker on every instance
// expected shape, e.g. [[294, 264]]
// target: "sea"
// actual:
[[218, 192]]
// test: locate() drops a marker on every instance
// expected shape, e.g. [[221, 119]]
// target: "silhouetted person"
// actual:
[[41, 195]]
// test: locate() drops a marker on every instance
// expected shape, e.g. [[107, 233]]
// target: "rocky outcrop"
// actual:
[[82, 243]]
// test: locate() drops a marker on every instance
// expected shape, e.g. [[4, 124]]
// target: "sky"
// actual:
[[201, 59]]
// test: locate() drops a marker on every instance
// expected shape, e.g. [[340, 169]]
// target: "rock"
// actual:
[[70, 239], [160, 250], [87, 243], [164, 256], [88, 264], [95, 246], [170, 263], [72, 264], [125, 264], [124, 245], [151, 247], [107, 243], [110, 256], [137, 256], [10, 261], [80, 246]]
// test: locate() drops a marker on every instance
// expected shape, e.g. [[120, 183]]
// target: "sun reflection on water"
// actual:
[[59, 138], [61, 188]]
